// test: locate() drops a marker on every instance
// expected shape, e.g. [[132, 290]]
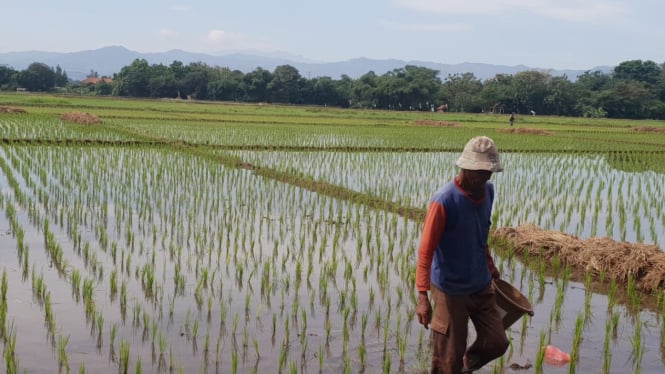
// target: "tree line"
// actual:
[[633, 89]]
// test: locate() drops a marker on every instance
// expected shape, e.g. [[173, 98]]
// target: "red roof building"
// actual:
[[95, 80]]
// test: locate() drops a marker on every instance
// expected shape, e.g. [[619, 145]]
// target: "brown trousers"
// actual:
[[450, 329]]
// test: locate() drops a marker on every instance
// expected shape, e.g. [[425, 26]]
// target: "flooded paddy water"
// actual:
[[145, 259]]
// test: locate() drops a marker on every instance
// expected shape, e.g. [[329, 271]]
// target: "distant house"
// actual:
[[95, 80]]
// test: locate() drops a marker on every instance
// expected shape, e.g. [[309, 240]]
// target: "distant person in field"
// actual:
[[511, 119], [455, 264]]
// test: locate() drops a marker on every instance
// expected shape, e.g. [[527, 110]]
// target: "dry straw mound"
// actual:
[[79, 117], [525, 130], [646, 263], [430, 122], [8, 109], [648, 129]]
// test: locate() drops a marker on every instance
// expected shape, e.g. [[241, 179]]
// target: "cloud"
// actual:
[[221, 36], [427, 27], [597, 11], [222, 39], [168, 33], [452, 6], [180, 8]]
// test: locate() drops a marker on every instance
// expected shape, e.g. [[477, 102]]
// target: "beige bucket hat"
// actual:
[[480, 153]]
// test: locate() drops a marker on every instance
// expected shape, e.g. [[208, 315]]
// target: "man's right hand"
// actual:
[[424, 309]]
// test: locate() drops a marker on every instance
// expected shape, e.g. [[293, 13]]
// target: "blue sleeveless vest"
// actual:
[[460, 264]]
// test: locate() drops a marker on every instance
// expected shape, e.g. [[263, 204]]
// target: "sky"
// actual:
[[557, 34]]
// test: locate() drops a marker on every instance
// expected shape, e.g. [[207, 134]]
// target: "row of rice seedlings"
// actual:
[[50, 129], [3, 305], [623, 230], [243, 241], [577, 340], [637, 344], [607, 352], [8, 333], [289, 134], [40, 290], [352, 298], [577, 208], [11, 361], [364, 172]]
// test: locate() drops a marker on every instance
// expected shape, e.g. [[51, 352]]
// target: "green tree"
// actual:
[[324, 91], [362, 92], [461, 92], [627, 99], [421, 86], [530, 89], [195, 80], [133, 80], [61, 79], [560, 97], [497, 94], [162, 82], [285, 85], [637, 70], [226, 85], [589, 89], [37, 77], [255, 85], [344, 87], [8, 78], [103, 88]]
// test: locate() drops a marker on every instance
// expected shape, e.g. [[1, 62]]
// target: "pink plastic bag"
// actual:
[[555, 356]]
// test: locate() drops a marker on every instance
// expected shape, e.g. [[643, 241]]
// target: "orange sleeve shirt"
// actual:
[[435, 221]]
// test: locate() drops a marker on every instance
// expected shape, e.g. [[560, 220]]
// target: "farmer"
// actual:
[[454, 263], [511, 119]]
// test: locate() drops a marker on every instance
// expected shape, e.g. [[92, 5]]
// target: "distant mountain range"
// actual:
[[109, 60]]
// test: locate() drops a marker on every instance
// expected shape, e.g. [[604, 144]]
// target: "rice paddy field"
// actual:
[[191, 237]]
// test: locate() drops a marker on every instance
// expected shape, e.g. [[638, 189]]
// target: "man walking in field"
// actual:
[[454, 263]]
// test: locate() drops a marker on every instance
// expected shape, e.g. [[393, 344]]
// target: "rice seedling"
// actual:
[[387, 364], [540, 354], [607, 352], [195, 329], [139, 366], [633, 294], [113, 284], [49, 318], [577, 340], [63, 360], [123, 363], [123, 300], [638, 345], [100, 325], [3, 305], [11, 361], [75, 279], [283, 354]]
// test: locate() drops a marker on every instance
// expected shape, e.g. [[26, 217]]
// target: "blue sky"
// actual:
[[563, 34]]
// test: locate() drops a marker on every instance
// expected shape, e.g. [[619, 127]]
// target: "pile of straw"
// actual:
[[9, 109], [79, 117], [648, 129], [430, 122], [525, 130], [618, 260]]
